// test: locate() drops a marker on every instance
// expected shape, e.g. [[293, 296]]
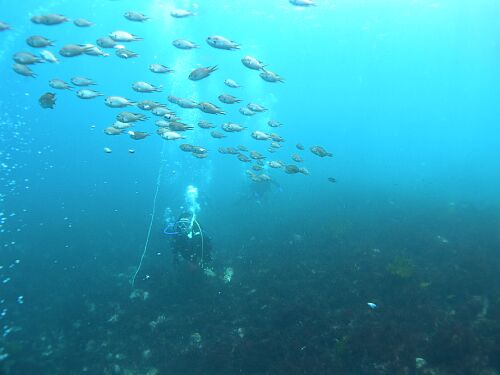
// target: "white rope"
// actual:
[[202, 244], [158, 180]]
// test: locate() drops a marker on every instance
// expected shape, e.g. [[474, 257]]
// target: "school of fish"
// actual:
[[169, 126]]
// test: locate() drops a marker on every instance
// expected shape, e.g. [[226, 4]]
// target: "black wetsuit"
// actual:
[[195, 250]]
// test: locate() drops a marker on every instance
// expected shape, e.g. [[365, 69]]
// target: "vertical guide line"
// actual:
[[158, 181]]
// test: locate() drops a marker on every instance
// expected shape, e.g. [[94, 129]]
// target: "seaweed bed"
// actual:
[[291, 308]]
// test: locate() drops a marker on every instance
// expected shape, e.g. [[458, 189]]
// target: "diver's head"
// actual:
[[185, 223]]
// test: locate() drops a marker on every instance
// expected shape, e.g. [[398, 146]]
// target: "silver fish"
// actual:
[[171, 136], [274, 123], [111, 130], [181, 13], [179, 126], [106, 42], [184, 44], [256, 155], [81, 22], [228, 99], [231, 83], [275, 164], [221, 42], [130, 117], [245, 111], [210, 108], [159, 68], [123, 36], [137, 135], [23, 70], [135, 16], [88, 94], [302, 3], [49, 19], [161, 111], [183, 102], [37, 41], [125, 53], [256, 107], [252, 63], [162, 123], [232, 127], [59, 84], [243, 158], [217, 135], [121, 125], [49, 56], [260, 136], [269, 76], [145, 87], [201, 73], [72, 50], [4, 26], [92, 50], [149, 105], [118, 102], [320, 151], [26, 58], [82, 81], [205, 124]]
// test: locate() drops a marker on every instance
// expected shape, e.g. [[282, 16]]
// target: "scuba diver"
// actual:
[[259, 191], [189, 243]]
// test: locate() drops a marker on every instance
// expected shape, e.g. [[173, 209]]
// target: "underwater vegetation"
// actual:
[[401, 267]]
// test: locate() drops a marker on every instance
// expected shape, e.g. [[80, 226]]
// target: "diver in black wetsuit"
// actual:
[[189, 243], [259, 191]]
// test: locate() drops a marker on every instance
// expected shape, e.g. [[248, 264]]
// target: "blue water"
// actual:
[[403, 93]]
